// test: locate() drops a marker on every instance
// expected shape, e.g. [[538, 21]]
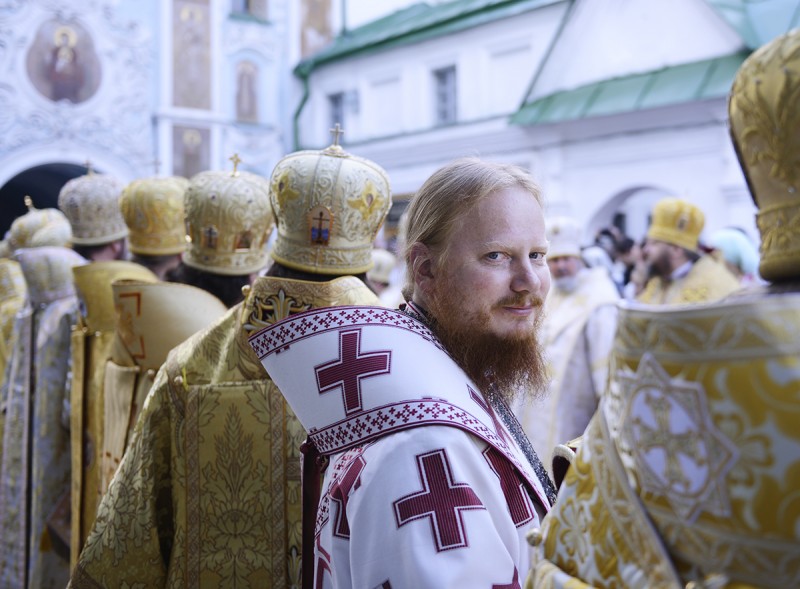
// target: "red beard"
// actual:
[[507, 365]]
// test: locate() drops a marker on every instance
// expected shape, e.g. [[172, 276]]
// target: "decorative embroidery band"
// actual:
[[275, 338]]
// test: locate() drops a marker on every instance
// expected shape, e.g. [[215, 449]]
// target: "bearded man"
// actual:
[[680, 275], [448, 504]]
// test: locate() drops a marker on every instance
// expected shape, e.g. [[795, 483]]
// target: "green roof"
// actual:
[[417, 23], [672, 85], [759, 21]]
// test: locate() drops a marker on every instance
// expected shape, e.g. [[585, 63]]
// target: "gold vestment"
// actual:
[[92, 339], [689, 470], [708, 280], [208, 492]]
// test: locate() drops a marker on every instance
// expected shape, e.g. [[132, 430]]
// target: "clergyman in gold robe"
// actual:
[[208, 492]]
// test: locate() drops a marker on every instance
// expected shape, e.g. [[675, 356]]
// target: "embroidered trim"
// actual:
[[274, 338]]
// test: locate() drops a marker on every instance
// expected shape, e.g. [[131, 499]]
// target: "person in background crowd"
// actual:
[[687, 474], [680, 274], [92, 205], [228, 222], [738, 253], [153, 211], [36, 462], [383, 262], [580, 318]]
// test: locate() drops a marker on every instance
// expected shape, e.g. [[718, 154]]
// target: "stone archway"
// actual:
[[42, 183], [629, 210]]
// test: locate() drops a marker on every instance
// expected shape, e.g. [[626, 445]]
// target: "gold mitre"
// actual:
[[153, 318], [765, 128], [39, 227], [48, 272], [153, 211], [12, 281], [91, 203], [93, 283], [329, 206], [564, 235], [228, 219], [678, 222]]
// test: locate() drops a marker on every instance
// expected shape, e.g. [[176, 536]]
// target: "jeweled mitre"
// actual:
[[153, 211], [91, 203], [329, 206], [228, 220]]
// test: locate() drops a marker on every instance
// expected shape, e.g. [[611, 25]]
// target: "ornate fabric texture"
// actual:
[[153, 211], [38, 228], [765, 128], [12, 297], [577, 334], [698, 431], [330, 206], [422, 466], [208, 492], [707, 281], [91, 203], [152, 318], [35, 472], [228, 220], [92, 340]]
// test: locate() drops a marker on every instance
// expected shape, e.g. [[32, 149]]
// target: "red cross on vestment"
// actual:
[[441, 500], [499, 429], [350, 368], [517, 499], [340, 494]]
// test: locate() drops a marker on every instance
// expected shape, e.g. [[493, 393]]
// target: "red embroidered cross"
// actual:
[[514, 584], [499, 429], [517, 499], [441, 500], [340, 494], [347, 371]]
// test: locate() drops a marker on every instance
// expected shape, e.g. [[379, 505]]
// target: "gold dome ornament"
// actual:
[[765, 128], [39, 227], [228, 220], [678, 222], [91, 203], [153, 211], [329, 206]]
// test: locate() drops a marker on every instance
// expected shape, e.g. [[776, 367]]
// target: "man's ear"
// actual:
[[421, 266]]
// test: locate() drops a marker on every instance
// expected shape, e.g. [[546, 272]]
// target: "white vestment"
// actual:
[[444, 505]]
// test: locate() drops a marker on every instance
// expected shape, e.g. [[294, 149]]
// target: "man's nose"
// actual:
[[526, 277]]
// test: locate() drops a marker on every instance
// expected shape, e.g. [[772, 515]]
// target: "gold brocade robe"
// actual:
[[707, 281], [92, 339], [12, 298], [689, 470], [208, 492], [35, 469], [152, 318]]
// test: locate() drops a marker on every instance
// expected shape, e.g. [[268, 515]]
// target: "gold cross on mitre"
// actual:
[[236, 161], [88, 165], [337, 131]]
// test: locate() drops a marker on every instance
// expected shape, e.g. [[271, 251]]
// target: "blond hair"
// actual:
[[449, 193]]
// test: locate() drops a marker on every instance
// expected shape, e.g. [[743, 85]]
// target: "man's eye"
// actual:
[[493, 255], [536, 256]]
